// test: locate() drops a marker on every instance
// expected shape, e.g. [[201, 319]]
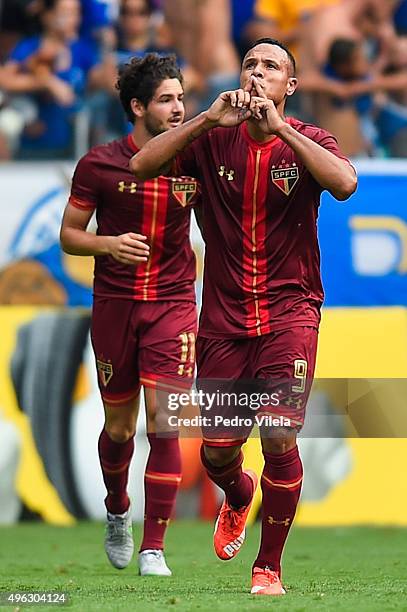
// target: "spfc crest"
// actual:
[[285, 178], [184, 191], [105, 371]]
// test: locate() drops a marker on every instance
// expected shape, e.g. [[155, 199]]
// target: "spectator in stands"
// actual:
[[202, 35], [352, 19], [18, 18], [346, 104], [136, 31], [53, 70], [98, 20], [284, 20], [140, 30], [397, 68]]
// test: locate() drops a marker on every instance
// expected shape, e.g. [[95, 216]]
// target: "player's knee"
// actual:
[[281, 441], [120, 433], [221, 456]]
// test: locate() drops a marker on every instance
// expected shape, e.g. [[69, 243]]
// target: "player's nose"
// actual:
[[258, 72], [178, 106]]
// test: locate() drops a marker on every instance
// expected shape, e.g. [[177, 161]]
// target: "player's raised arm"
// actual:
[[155, 158], [127, 248], [332, 172]]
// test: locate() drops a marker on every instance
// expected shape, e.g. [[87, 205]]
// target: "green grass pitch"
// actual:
[[355, 569]]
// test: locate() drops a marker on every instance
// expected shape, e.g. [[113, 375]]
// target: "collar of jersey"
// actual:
[[132, 144], [261, 145]]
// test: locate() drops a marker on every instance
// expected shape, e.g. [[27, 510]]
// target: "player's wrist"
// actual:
[[283, 130], [209, 121], [107, 245]]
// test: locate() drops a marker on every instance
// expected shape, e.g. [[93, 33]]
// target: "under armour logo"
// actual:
[[122, 186], [273, 521], [161, 521], [230, 174]]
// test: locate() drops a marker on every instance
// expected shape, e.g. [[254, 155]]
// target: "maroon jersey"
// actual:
[[159, 209], [260, 208]]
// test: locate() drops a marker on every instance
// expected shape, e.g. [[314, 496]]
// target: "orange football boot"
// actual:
[[266, 582], [230, 526]]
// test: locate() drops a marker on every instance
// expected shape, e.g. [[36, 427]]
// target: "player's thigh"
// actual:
[[167, 354], [218, 358], [115, 347], [285, 365], [223, 368]]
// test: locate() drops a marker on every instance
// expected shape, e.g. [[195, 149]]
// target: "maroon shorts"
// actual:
[[269, 376], [142, 343]]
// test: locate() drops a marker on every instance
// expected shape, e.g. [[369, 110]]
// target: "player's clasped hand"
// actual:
[[234, 107], [129, 248], [230, 108]]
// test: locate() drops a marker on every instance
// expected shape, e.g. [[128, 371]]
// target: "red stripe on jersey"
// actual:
[[150, 205], [249, 191], [260, 238], [157, 238], [254, 233]]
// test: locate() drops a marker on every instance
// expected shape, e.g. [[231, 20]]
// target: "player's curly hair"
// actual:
[[140, 78]]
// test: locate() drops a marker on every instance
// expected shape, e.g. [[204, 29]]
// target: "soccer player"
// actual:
[[144, 312], [261, 175]]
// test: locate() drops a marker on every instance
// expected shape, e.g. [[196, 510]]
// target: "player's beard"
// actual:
[[154, 126]]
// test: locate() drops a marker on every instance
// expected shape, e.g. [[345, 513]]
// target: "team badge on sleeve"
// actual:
[[285, 177], [184, 191], [105, 371]]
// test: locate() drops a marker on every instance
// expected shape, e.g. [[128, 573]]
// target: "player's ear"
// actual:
[[137, 107], [291, 86]]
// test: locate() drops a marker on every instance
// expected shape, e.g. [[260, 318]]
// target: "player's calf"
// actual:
[[230, 526]]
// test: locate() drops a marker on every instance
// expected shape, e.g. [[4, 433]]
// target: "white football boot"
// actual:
[[152, 563], [119, 545]]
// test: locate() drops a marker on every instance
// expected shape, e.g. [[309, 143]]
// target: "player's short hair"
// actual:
[[341, 51], [140, 78], [276, 43]]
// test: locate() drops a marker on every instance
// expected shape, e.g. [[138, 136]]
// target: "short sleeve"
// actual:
[[329, 142], [85, 185]]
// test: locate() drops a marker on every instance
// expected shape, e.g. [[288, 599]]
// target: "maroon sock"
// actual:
[[161, 482], [237, 485], [281, 485], [115, 460]]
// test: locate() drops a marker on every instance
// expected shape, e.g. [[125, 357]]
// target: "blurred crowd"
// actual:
[[59, 61]]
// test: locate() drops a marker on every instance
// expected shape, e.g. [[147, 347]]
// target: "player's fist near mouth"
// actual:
[[230, 108], [265, 112], [264, 109], [129, 248]]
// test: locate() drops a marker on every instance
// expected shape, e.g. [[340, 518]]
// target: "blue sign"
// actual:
[[364, 240]]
